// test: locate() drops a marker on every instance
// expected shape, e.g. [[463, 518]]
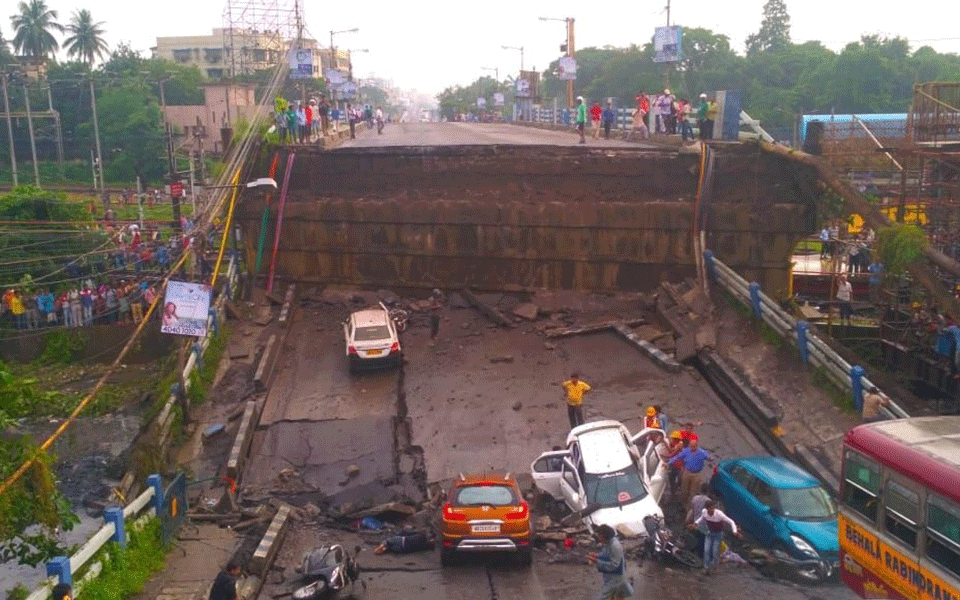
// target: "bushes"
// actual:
[[125, 571]]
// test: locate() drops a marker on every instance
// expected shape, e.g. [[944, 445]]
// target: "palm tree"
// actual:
[[32, 29], [86, 39]]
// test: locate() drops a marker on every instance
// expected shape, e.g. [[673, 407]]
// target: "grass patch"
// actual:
[[61, 347], [840, 398], [125, 571], [202, 379], [770, 336]]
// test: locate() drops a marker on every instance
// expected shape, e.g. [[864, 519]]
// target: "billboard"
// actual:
[[185, 309], [498, 99], [301, 63], [481, 102], [567, 70], [527, 85], [667, 44], [335, 76], [347, 90]]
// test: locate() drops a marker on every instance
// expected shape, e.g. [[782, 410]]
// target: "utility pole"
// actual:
[[33, 142], [171, 160], [520, 48], [571, 54], [56, 118], [667, 67], [96, 137], [6, 107]]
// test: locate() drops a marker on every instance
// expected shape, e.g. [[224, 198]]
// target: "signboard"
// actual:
[[347, 90], [498, 99], [301, 63], [481, 102], [176, 189], [666, 44], [527, 85], [567, 70], [185, 309], [335, 76], [523, 88]]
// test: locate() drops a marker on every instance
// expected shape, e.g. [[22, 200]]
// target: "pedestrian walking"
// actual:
[[595, 113], [436, 303], [581, 118], [640, 116], [610, 562], [844, 297], [714, 520], [697, 504], [225, 585], [872, 401], [575, 389], [380, 121], [608, 118], [352, 120], [692, 459]]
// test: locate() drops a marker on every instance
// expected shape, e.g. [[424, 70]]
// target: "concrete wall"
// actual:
[[499, 217]]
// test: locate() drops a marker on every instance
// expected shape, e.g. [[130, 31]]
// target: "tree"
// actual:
[[86, 39], [133, 138], [32, 27], [774, 31]]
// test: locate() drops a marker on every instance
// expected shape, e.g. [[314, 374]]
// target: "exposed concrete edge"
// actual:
[[656, 354], [746, 393], [241, 444], [812, 463], [488, 311], [261, 378], [267, 549], [591, 328], [287, 301]]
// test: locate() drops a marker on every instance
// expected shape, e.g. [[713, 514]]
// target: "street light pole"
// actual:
[[520, 48], [570, 51], [333, 53], [33, 143], [96, 137], [6, 107]]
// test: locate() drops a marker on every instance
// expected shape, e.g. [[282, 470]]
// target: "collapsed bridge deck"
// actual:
[[528, 217]]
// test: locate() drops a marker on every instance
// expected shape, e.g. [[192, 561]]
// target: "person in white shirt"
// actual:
[[713, 519], [379, 120], [844, 296]]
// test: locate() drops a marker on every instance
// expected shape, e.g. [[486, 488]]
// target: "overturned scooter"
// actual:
[[328, 573]]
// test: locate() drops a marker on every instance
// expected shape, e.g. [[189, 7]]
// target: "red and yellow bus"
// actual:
[[899, 522]]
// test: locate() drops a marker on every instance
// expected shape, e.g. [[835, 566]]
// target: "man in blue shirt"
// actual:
[[693, 459], [608, 117]]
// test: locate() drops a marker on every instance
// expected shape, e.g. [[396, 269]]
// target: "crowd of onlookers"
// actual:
[[306, 122], [113, 285]]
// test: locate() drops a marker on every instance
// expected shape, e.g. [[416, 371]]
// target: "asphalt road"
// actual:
[[468, 412], [450, 134]]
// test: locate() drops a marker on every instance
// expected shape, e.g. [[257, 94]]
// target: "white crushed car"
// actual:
[[372, 340]]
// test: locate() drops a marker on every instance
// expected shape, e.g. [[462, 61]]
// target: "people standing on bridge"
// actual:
[[640, 117], [352, 120], [713, 109], [324, 111], [608, 118], [702, 108], [610, 562], [379, 120], [844, 297], [665, 106], [714, 519], [292, 123], [302, 123], [872, 401], [225, 585], [692, 459], [575, 389], [581, 118], [683, 114], [595, 113]]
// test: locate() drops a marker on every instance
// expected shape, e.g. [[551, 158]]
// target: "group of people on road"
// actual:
[[665, 113], [305, 123]]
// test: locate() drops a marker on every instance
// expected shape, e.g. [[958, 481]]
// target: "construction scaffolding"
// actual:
[[257, 33]]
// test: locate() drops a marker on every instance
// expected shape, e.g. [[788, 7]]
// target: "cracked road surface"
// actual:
[[462, 412]]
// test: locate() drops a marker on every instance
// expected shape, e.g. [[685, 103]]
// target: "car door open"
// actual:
[[545, 472]]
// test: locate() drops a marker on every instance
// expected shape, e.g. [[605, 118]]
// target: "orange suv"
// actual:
[[485, 513]]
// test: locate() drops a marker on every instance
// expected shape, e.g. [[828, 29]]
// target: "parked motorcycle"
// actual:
[[400, 318], [661, 543], [328, 573]]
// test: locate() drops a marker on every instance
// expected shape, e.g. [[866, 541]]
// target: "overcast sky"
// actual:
[[429, 45]]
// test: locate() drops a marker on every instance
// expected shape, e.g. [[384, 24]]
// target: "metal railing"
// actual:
[[811, 348], [62, 568]]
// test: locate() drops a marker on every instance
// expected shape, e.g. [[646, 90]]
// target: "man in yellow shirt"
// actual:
[[575, 391]]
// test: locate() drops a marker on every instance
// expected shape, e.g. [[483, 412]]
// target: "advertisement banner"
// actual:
[[666, 44], [347, 90], [523, 88], [335, 76], [567, 70], [185, 309], [301, 63], [481, 102], [498, 99]]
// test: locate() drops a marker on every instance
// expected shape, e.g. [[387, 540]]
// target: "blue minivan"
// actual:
[[780, 505]]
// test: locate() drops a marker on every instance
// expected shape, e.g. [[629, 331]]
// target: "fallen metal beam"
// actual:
[[488, 311]]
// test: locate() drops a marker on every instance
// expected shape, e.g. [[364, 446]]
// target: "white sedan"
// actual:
[[606, 475], [371, 339]]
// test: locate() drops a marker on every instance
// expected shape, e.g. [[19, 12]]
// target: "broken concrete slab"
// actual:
[[486, 309], [658, 356], [707, 337], [686, 347], [455, 300], [270, 543], [649, 333], [527, 310], [696, 300]]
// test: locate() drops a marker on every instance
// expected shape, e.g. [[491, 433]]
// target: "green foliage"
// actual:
[[32, 500], [202, 379], [29, 203], [86, 38], [841, 398], [131, 133], [19, 397], [61, 347], [899, 245], [32, 26], [770, 336], [18, 592], [774, 31], [459, 99], [125, 571]]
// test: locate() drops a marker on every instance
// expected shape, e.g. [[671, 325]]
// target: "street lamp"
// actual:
[[351, 52], [520, 48], [333, 33], [569, 49], [496, 72]]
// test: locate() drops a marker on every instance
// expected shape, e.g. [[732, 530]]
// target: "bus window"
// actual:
[[861, 484], [901, 513], [943, 533]]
